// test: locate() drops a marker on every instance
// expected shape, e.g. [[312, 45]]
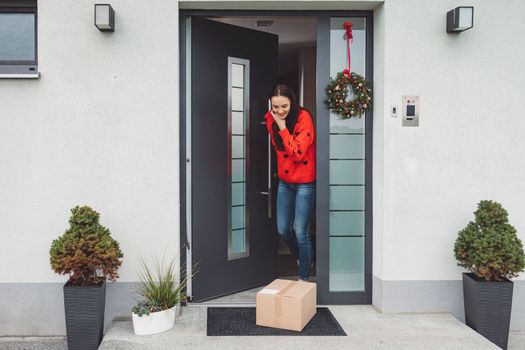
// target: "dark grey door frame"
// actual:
[[323, 142]]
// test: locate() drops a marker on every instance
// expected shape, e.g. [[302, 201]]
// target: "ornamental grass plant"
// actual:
[[489, 246], [160, 287], [86, 251]]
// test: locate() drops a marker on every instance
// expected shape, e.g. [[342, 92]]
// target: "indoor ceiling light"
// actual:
[[264, 23]]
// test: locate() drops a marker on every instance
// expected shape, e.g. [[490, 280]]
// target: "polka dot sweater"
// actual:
[[296, 164]]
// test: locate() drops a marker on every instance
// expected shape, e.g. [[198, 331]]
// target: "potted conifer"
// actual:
[[490, 249], [88, 254]]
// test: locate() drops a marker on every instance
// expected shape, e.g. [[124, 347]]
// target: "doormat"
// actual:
[[241, 321]]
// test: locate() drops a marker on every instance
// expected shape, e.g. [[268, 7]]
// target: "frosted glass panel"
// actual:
[[237, 217], [238, 123], [237, 99], [347, 172], [338, 45], [347, 167], [237, 75], [347, 264], [347, 197], [238, 193], [238, 235], [347, 223], [347, 146], [237, 146], [237, 170], [352, 125], [238, 241]]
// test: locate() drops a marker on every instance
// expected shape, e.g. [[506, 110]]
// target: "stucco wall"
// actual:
[[468, 145], [100, 127]]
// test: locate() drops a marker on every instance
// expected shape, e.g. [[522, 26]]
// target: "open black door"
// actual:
[[233, 238]]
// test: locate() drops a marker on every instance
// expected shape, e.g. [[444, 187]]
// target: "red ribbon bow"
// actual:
[[349, 37]]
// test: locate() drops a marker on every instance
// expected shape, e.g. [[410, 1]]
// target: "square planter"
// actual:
[[84, 307], [488, 307]]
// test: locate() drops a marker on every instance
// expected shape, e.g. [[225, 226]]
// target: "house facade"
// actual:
[[140, 124]]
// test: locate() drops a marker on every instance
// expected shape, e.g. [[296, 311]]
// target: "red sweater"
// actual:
[[296, 164]]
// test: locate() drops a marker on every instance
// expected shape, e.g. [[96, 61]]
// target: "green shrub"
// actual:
[[160, 288], [86, 252], [489, 246]]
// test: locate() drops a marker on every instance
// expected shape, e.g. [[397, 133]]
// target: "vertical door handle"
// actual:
[[269, 177], [268, 192]]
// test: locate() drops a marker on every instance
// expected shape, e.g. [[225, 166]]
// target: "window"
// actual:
[[18, 38]]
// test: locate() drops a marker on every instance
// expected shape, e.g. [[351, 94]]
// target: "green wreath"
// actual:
[[337, 92]]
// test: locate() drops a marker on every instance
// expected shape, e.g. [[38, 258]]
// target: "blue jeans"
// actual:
[[295, 203]]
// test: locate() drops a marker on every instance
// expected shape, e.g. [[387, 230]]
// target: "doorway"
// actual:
[[343, 229]]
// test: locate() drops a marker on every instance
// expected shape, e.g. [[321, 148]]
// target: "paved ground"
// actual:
[[366, 329]]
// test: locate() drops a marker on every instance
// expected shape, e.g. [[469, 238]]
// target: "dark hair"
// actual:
[[293, 115]]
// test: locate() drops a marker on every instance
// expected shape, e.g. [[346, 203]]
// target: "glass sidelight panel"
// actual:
[[347, 170], [238, 131], [347, 146], [347, 223], [347, 263], [347, 198]]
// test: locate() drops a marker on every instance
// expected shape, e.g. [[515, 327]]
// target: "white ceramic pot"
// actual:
[[156, 322]]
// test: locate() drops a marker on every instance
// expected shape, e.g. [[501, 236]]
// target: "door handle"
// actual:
[[269, 191]]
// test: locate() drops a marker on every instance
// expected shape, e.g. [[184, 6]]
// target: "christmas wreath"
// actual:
[[337, 92], [338, 89]]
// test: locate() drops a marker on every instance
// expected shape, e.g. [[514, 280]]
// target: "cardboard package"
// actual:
[[286, 304]]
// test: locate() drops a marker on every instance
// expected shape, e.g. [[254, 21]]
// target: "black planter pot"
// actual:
[[487, 308], [84, 308]]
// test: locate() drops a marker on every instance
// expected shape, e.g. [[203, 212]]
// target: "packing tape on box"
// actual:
[[268, 291], [278, 310]]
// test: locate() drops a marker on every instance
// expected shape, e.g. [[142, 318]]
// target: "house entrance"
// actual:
[[230, 63]]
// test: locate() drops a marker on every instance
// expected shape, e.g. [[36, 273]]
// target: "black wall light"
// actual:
[[104, 18], [460, 19]]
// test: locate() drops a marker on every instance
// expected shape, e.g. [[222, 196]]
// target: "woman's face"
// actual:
[[281, 106]]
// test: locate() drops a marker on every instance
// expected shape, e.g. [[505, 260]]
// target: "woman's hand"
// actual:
[[281, 123]]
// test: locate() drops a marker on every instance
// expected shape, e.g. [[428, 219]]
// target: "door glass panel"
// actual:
[[237, 123], [347, 223], [347, 146], [347, 264], [237, 146], [237, 75], [238, 97], [238, 237], [347, 172], [347, 169], [347, 197], [237, 170], [352, 125], [238, 217]]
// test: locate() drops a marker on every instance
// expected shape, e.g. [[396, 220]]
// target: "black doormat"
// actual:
[[241, 321]]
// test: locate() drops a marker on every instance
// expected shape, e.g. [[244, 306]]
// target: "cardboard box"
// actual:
[[286, 304]]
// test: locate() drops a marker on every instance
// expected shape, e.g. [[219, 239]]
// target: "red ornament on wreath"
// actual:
[[337, 90]]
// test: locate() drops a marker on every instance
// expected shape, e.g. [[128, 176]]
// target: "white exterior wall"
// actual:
[[468, 146], [100, 127]]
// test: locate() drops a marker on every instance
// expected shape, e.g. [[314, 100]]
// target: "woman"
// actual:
[[292, 133]]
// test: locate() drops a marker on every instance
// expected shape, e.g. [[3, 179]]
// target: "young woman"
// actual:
[[292, 133]]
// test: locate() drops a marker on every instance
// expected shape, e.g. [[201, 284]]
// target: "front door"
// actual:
[[233, 238]]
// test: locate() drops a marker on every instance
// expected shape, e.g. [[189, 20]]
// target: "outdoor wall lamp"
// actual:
[[104, 17], [460, 19]]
